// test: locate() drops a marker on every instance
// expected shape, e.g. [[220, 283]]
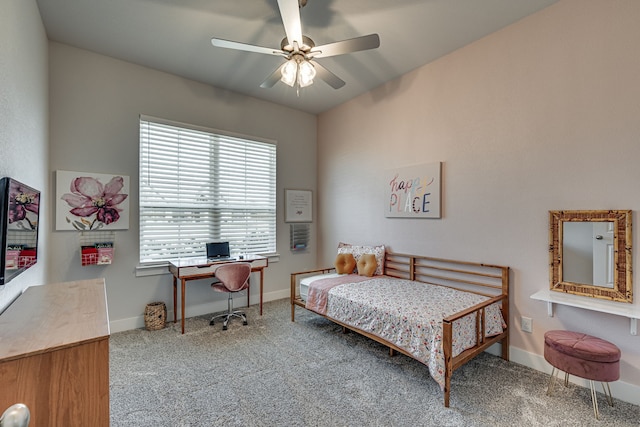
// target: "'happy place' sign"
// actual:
[[413, 192]]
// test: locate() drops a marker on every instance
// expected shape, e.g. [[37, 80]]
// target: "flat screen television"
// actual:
[[19, 216]]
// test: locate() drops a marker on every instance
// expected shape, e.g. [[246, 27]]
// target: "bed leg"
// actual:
[[447, 345], [505, 348], [292, 298], [392, 352], [447, 387], [345, 330]]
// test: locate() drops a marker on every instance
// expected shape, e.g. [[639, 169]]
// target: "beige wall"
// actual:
[[23, 119], [95, 106], [542, 115]]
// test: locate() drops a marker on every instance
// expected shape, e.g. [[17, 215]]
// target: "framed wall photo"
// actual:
[[298, 206]]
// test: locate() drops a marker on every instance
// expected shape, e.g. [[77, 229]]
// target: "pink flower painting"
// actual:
[[24, 204], [94, 202]]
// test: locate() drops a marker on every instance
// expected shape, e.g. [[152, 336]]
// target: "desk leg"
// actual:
[[175, 300], [182, 303], [261, 288]]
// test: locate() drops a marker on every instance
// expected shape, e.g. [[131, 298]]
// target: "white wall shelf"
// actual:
[[594, 304]]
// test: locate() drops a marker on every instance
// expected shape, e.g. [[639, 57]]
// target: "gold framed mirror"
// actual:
[[590, 253]]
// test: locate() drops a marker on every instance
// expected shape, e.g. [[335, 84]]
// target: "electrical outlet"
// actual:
[[526, 323]]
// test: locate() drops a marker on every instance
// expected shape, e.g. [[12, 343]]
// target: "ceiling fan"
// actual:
[[300, 51]]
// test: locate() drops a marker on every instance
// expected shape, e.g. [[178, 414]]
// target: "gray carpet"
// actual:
[[277, 373]]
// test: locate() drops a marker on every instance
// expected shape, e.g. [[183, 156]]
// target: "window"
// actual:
[[198, 185]]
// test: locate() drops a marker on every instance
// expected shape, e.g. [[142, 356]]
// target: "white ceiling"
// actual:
[[174, 36]]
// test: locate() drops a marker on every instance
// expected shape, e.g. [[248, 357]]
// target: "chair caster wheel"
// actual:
[[245, 323], [224, 328], [211, 323]]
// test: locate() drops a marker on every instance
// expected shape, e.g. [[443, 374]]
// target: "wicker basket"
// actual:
[[155, 316]]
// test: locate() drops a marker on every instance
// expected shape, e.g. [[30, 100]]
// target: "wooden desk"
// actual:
[[186, 269], [54, 354]]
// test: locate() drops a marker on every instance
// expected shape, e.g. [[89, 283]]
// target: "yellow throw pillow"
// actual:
[[345, 263], [357, 251], [367, 265]]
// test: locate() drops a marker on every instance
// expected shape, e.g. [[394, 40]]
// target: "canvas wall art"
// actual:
[[413, 192], [91, 201]]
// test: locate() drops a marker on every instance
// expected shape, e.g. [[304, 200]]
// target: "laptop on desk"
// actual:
[[218, 251]]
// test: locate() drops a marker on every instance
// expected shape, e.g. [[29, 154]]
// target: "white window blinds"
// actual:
[[198, 186]]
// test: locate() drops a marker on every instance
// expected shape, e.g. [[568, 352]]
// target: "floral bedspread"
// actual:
[[409, 315]]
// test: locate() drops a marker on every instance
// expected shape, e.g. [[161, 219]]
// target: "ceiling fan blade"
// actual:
[[227, 44], [326, 75], [290, 12], [273, 78], [371, 41]]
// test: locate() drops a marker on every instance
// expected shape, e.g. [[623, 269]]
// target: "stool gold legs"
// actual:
[[607, 393], [594, 398], [552, 380]]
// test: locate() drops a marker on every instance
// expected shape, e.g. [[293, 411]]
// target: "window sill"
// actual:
[[152, 270], [161, 269]]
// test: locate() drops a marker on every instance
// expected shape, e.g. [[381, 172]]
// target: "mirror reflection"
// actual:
[[19, 214], [587, 253]]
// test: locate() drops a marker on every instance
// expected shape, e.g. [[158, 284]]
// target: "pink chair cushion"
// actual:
[[582, 355], [234, 277], [219, 287]]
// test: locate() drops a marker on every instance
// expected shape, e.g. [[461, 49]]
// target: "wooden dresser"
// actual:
[[54, 354]]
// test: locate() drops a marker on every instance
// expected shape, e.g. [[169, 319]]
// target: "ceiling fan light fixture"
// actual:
[[298, 70], [301, 52], [306, 73], [289, 72]]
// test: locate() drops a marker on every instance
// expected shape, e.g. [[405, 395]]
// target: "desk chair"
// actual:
[[233, 277]]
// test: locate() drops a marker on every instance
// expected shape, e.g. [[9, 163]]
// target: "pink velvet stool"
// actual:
[[584, 356]]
